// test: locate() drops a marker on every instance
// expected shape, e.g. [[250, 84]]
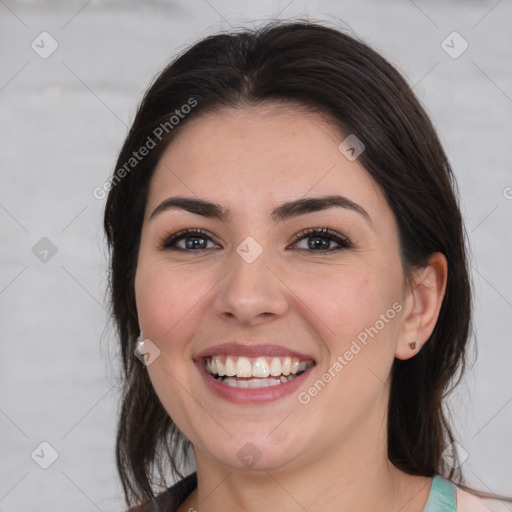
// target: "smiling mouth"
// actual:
[[255, 372]]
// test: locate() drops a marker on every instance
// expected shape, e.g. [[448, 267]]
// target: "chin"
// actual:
[[260, 452]]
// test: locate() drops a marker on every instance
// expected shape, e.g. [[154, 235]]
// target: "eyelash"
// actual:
[[326, 233]]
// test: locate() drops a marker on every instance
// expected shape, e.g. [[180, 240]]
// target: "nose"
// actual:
[[251, 293]]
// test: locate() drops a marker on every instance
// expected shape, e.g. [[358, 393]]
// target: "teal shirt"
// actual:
[[442, 497]]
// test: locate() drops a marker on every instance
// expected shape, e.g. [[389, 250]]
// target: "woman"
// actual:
[[288, 263]]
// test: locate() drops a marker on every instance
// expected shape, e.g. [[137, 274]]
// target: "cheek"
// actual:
[[164, 297], [345, 302], [357, 315], [355, 309]]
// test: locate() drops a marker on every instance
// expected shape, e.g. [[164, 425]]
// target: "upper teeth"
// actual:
[[262, 367]]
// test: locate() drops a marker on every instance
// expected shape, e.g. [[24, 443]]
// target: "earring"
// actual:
[[413, 344], [139, 349]]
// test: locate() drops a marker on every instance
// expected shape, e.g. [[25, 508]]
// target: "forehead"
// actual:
[[258, 156]]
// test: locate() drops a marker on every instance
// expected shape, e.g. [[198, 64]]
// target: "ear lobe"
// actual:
[[422, 306]]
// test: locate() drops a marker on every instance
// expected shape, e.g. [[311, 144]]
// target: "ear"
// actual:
[[422, 306]]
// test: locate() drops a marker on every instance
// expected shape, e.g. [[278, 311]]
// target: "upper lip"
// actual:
[[251, 350]]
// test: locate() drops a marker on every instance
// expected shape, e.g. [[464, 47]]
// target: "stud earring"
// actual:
[[139, 349], [413, 345]]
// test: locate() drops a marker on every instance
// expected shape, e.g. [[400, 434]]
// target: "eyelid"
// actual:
[[323, 232]]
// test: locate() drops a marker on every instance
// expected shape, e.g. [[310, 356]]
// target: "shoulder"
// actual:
[[469, 502]]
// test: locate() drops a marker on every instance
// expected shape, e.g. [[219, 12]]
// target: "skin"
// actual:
[[330, 454]]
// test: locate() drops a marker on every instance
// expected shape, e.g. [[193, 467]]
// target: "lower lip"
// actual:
[[250, 396]]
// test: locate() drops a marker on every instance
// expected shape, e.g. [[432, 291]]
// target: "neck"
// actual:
[[353, 476]]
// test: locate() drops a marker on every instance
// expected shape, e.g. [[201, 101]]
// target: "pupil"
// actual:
[[318, 243], [191, 242]]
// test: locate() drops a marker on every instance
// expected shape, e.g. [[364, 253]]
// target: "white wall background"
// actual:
[[62, 121]]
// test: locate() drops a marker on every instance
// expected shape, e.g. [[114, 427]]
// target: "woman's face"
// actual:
[[331, 303]]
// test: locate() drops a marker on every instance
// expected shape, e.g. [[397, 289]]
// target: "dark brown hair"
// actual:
[[328, 71]]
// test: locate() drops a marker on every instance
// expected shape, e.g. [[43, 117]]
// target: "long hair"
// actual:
[[328, 71]]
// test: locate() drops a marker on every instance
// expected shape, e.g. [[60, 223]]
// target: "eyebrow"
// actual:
[[283, 212]]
